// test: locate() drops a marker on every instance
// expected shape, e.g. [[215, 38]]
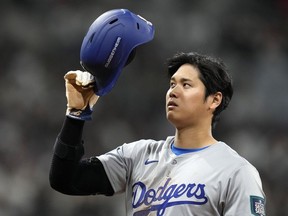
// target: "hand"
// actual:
[[80, 94]]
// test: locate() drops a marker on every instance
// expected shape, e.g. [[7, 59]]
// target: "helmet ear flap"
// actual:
[[131, 57]]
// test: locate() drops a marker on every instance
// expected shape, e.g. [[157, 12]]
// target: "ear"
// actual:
[[216, 100]]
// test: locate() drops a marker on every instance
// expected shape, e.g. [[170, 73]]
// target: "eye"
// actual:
[[172, 84], [186, 85]]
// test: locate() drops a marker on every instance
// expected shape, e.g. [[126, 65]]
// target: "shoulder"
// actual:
[[145, 145], [235, 171], [129, 153], [223, 157], [221, 149]]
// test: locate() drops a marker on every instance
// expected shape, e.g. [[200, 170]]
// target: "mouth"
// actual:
[[171, 104]]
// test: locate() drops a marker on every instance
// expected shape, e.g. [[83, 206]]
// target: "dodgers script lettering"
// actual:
[[167, 195]]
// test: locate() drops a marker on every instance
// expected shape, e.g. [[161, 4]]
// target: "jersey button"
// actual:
[[174, 162]]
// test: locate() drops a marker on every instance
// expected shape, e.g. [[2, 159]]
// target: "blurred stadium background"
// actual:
[[40, 42]]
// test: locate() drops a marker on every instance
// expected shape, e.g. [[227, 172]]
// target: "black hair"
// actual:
[[212, 72]]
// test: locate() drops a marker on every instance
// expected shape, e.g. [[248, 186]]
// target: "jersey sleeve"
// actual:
[[118, 163], [245, 195]]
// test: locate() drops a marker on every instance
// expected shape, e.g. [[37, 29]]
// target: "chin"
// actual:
[[172, 118]]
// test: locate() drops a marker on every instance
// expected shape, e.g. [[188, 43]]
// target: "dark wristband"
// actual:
[[71, 131]]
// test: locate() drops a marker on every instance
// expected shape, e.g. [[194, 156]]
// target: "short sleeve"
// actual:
[[245, 195], [118, 163], [116, 167]]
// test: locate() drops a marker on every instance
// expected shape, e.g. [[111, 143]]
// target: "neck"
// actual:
[[193, 138]]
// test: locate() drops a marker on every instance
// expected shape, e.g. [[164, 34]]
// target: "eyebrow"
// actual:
[[181, 80]]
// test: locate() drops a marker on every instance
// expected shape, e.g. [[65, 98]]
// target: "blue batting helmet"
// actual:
[[110, 43]]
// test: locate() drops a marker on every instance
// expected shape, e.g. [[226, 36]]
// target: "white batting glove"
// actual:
[[80, 94]]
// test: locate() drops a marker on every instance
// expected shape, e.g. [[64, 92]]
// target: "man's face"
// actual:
[[185, 99]]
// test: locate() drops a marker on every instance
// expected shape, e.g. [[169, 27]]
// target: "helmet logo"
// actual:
[[113, 51]]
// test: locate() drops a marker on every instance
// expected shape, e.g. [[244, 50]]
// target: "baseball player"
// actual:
[[188, 173]]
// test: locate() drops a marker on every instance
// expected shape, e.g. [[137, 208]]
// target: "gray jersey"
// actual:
[[214, 181]]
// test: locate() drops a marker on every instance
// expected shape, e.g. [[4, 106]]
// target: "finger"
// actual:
[[85, 79], [94, 98], [70, 75]]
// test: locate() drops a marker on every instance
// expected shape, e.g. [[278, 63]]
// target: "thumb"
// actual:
[[94, 98]]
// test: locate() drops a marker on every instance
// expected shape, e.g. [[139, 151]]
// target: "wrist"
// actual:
[[83, 115], [71, 131]]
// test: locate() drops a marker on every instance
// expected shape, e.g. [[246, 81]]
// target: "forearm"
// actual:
[[71, 132]]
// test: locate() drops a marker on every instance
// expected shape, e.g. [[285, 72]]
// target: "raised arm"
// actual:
[[69, 173]]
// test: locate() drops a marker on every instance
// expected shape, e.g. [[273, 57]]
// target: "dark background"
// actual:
[[40, 41]]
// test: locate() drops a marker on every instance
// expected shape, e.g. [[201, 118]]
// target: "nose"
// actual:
[[173, 92]]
